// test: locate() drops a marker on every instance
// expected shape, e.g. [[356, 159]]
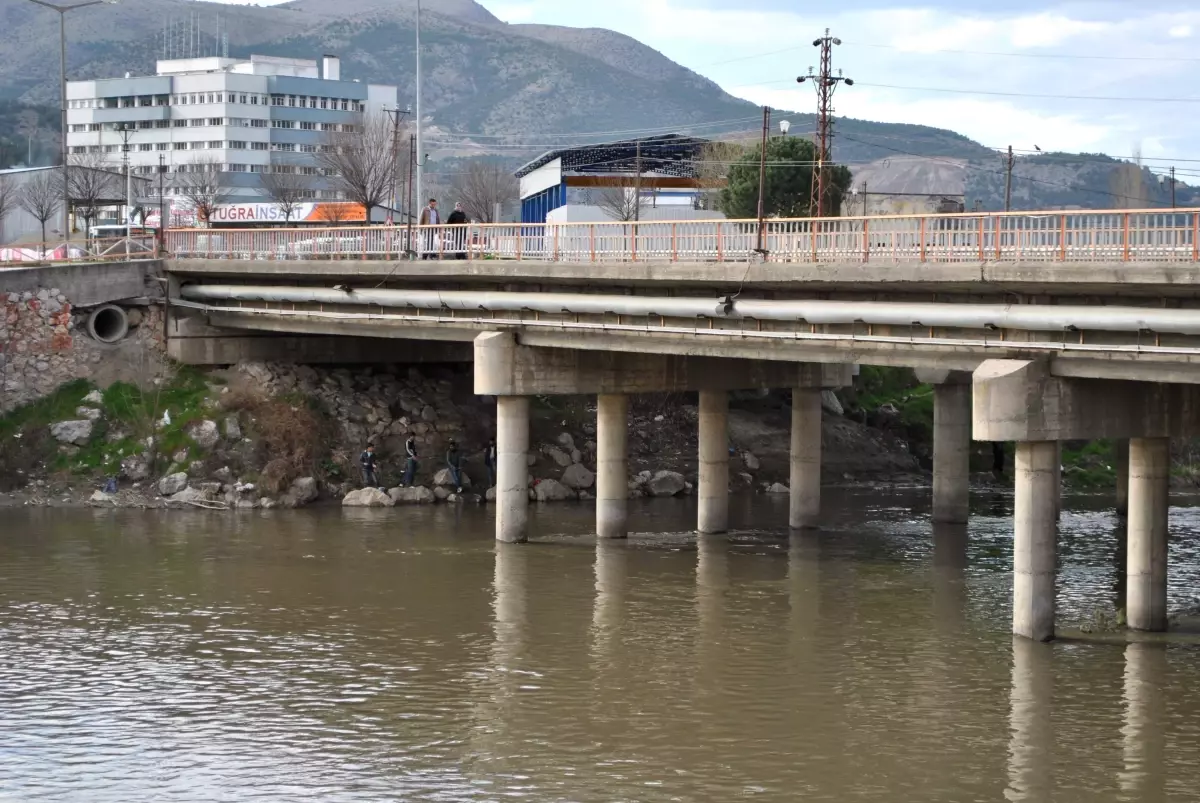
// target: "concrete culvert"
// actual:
[[108, 324]]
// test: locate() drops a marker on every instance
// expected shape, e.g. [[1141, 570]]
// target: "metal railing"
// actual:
[[1076, 237], [93, 250]]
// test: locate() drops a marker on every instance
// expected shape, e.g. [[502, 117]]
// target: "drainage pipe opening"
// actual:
[[108, 324]]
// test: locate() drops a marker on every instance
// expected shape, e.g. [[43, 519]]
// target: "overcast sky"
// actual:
[[898, 52]]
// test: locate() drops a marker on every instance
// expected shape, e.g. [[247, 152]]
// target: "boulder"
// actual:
[[428, 414], [578, 477], [135, 468], [552, 491], [778, 488], [367, 497], [204, 433], [490, 494], [576, 456], [90, 413], [830, 403], [266, 503], [442, 479], [73, 432], [750, 461], [418, 495], [188, 495], [301, 492], [441, 494], [667, 483], [100, 497], [95, 397], [233, 428], [530, 460], [172, 483], [223, 474], [557, 455], [566, 441]]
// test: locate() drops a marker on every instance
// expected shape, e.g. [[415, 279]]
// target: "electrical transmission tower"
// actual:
[[825, 82]]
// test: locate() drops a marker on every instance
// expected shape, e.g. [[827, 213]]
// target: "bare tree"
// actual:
[[620, 203], [287, 190], [8, 200], [90, 183], [41, 196], [481, 187], [201, 184], [359, 162]]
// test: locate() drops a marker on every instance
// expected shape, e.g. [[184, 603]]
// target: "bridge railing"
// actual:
[[81, 250], [1091, 236]]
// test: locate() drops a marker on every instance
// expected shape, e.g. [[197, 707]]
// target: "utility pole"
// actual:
[[864, 195], [1172, 187], [762, 179], [126, 133], [162, 205], [420, 166], [1008, 171], [395, 114], [412, 158], [637, 186], [826, 84]]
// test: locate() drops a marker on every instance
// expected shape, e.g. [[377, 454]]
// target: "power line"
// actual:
[[1088, 57], [1032, 94], [658, 129]]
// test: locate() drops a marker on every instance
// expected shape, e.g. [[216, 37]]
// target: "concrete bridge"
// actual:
[[1034, 328]]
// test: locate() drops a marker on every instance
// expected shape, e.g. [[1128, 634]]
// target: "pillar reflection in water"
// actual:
[[712, 588], [1142, 736], [1031, 741], [608, 611], [804, 584], [949, 574], [509, 605]]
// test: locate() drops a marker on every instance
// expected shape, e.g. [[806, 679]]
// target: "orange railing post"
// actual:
[[592, 240], [1125, 238], [674, 255], [1062, 238], [1196, 236], [996, 232], [921, 235], [720, 245], [866, 242]]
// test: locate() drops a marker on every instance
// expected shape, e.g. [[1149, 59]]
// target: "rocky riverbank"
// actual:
[[261, 435]]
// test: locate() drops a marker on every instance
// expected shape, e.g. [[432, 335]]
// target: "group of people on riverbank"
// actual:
[[369, 463], [448, 242]]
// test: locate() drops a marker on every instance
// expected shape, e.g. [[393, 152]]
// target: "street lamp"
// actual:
[[62, 63], [784, 127]]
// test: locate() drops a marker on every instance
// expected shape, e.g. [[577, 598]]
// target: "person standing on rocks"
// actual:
[[454, 464], [489, 461], [410, 463], [367, 460]]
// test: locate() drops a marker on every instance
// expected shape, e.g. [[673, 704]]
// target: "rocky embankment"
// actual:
[[263, 435]]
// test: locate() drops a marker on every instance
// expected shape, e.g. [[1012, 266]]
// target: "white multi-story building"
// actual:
[[251, 117]]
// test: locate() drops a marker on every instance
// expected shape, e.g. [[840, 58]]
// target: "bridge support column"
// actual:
[[612, 490], [952, 452], [1035, 537], [1122, 461], [512, 468], [713, 513], [1146, 572], [804, 507]]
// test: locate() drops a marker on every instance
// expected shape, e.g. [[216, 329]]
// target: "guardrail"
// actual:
[[1105, 236], [95, 250]]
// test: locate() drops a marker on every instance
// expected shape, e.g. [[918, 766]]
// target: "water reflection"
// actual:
[[949, 574], [1143, 741], [1031, 742]]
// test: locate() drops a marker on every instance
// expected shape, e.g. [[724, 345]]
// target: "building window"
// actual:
[[161, 146], [237, 145], [162, 100], [324, 103], [310, 171], [308, 148], [216, 143], [308, 126], [216, 120], [284, 147], [258, 146], [277, 100], [145, 146], [329, 126], [110, 148], [197, 122], [345, 105], [181, 146], [349, 128], [146, 124], [93, 149], [291, 100], [77, 129], [180, 123], [258, 123], [258, 168], [283, 123], [78, 149]]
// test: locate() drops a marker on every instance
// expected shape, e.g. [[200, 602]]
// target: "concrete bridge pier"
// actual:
[[712, 515], [1146, 567], [1122, 461], [1019, 400], [512, 468], [804, 508], [951, 444], [612, 491]]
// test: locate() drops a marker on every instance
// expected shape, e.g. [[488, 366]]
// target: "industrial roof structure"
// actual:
[[672, 154]]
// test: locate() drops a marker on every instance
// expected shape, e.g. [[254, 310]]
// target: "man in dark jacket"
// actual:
[[454, 463], [410, 464], [367, 461], [458, 237]]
